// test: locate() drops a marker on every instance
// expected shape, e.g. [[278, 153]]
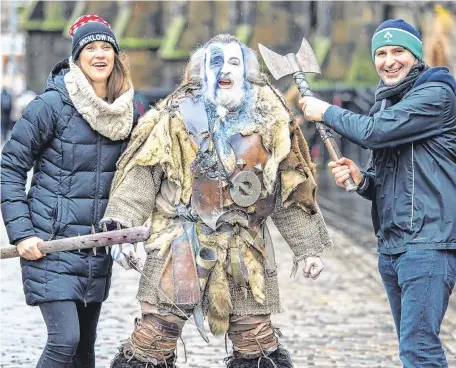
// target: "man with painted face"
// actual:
[[206, 168], [411, 181]]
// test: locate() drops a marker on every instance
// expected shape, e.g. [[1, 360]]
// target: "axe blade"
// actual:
[[306, 58], [277, 64]]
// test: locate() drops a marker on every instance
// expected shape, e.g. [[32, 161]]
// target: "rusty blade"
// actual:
[[307, 59], [277, 64]]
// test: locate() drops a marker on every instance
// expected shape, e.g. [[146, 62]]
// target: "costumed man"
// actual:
[[206, 168]]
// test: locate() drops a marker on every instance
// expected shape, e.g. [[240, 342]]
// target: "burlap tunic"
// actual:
[[154, 176]]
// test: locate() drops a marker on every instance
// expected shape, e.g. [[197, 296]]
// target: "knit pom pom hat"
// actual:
[[397, 32], [91, 28]]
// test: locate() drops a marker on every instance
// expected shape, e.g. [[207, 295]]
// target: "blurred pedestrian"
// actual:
[[141, 103], [20, 103], [411, 181], [72, 135], [6, 107]]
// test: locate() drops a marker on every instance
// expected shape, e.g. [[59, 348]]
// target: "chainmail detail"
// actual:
[[241, 306], [147, 291], [244, 306], [133, 207], [307, 235], [150, 281]]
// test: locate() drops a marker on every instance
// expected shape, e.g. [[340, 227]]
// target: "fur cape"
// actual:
[[161, 139]]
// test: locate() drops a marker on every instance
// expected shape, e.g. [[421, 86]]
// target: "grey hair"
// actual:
[[195, 67]]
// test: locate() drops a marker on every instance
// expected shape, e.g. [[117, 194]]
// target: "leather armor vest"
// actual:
[[228, 184]]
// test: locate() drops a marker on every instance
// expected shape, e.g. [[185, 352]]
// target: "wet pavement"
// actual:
[[340, 320]]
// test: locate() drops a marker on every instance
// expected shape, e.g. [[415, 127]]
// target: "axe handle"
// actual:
[[325, 133]]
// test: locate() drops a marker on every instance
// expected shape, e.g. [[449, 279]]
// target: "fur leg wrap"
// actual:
[[121, 361], [280, 358], [152, 342]]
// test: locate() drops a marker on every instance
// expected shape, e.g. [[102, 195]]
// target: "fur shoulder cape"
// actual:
[[161, 138]]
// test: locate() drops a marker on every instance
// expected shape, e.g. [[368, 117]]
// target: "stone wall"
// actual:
[[159, 36], [42, 51]]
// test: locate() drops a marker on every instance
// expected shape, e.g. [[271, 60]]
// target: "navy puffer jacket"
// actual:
[[73, 169]]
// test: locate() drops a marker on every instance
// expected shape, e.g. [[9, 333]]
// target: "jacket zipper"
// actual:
[[97, 182], [55, 218], [95, 212], [413, 188]]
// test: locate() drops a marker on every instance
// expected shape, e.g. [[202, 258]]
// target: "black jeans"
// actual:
[[71, 334]]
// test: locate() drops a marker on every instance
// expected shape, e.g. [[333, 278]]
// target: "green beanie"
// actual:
[[397, 32]]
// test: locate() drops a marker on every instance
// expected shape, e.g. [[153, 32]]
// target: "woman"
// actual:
[[73, 135]]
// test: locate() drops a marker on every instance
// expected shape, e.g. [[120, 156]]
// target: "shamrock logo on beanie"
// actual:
[[397, 32]]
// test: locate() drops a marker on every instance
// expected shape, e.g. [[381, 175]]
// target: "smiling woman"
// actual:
[[97, 61], [96, 52], [73, 135], [104, 69]]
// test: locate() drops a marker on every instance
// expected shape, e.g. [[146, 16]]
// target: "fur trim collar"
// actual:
[[114, 121]]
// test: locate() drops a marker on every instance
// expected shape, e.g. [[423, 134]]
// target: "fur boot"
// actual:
[[120, 361], [280, 357]]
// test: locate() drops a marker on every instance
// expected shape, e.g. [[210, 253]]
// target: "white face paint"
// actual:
[[224, 74]]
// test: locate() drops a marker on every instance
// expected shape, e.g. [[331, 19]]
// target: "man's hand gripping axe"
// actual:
[[298, 64]]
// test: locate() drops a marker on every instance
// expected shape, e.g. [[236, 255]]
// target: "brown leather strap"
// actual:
[[155, 337], [252, 336]]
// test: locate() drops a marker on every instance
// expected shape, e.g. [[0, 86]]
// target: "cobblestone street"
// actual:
[[340, 320]]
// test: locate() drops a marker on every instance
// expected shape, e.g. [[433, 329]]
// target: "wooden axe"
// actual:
[[298, 64]]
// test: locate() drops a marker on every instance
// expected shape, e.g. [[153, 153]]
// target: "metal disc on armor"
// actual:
[[246, 188]]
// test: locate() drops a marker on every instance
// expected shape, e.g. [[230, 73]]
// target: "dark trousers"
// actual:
[[419, 284], [71, 334]]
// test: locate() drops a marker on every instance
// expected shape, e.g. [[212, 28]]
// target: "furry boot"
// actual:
[[120, 361], [280, 357]]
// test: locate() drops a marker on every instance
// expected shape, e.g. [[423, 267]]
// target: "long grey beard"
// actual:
[[230, 99]]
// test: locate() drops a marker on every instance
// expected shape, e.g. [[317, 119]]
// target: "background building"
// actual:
[[158, 37]]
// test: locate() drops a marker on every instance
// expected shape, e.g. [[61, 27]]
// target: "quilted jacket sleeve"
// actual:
[[30, 135]]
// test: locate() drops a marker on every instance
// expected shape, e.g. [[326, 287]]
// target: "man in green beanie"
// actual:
[[411, 181]]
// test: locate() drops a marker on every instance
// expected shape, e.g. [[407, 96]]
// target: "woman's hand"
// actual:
[[342, 168], [28, 248]]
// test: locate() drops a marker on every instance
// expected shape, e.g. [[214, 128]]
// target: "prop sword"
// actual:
[[298, 64]]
